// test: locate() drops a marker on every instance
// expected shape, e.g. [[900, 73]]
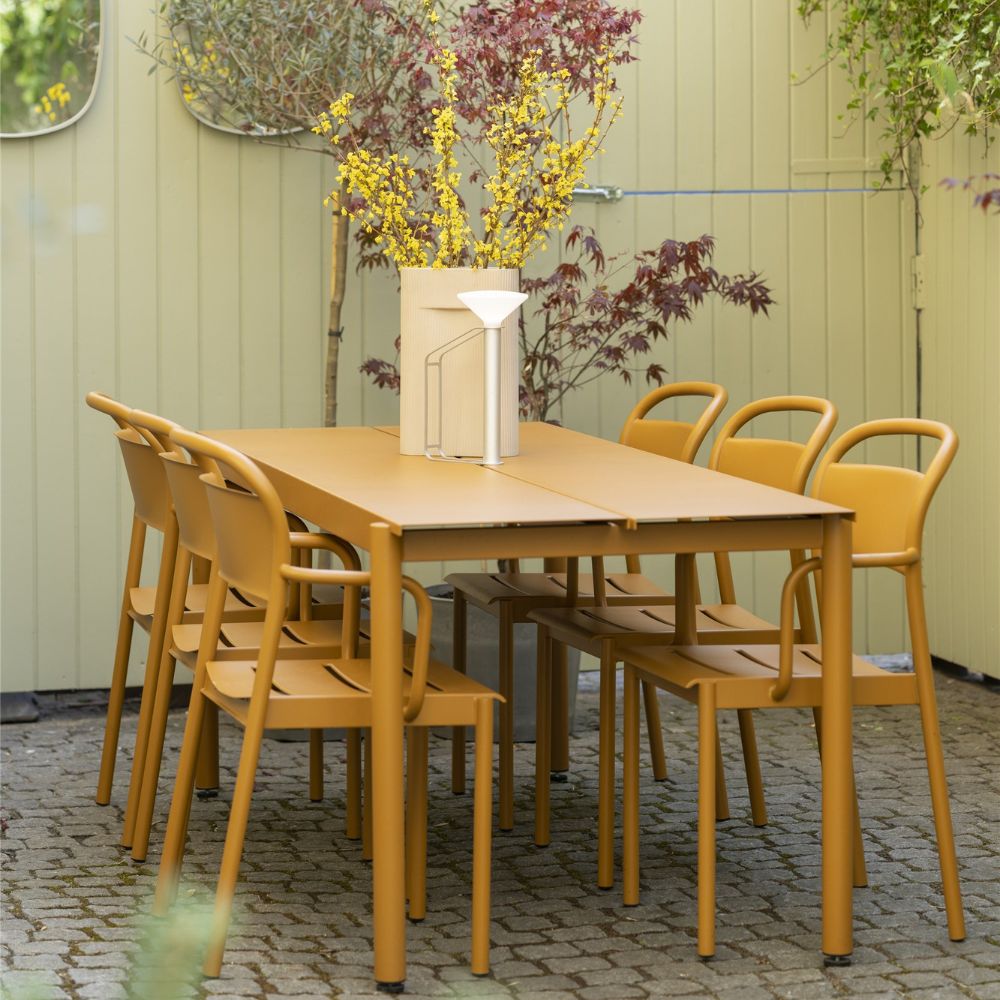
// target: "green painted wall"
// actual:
[[185, 271]]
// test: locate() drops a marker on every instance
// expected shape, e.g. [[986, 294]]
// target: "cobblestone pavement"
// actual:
[[74, 903]]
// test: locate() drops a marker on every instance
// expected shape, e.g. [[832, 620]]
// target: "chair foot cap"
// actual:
[[397, 987], [707, 958], [836, 961], [207, 793], [558, 776]]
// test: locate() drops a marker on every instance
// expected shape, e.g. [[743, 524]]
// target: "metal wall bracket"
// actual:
[[598, 193]]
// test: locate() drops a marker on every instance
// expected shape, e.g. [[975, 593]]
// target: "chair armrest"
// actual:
[[422, 652], [344, 551], [343, 577], [786, 636], [891, 560]]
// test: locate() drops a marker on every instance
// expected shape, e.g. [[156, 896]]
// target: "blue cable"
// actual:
[[861, 190]]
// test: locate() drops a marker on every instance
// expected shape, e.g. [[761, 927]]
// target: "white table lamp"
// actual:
[[492, 308]]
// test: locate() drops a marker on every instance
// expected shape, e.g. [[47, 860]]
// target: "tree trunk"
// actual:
[[338, 284]]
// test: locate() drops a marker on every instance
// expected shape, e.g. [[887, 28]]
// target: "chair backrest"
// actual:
[[249, 525], [890, 502], [771, 461], [141, 454], [187, 493], [673, 438], [254, 553]]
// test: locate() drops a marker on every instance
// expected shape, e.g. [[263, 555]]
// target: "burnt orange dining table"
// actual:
[[565, 495]]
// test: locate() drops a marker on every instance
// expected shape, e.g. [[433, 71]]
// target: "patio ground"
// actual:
[[74, 903]]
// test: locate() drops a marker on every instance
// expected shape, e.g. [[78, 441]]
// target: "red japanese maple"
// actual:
[[596, 315]]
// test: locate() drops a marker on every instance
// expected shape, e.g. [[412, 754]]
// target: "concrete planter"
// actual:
[[483, 658]]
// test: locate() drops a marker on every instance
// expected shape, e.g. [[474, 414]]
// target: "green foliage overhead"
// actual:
[[916, 67], [48, 61]]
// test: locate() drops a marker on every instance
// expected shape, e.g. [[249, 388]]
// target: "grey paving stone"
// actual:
[[75, 907]]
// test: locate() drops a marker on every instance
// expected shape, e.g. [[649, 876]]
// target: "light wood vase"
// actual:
[[430, 317]]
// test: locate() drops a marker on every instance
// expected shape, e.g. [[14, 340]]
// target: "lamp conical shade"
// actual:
[[492, 307]]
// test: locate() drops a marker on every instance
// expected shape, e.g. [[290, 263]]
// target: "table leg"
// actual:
[[606, 771], [685, 609], [837, 762], [388, 860], [506, 678], [559, 707]]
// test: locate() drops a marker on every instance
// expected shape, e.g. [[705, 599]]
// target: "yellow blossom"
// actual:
[[538, 164]]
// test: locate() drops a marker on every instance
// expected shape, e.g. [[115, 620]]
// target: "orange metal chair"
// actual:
[[254, 551], [891, 504], [512, 596], [148, 606], [602, 630], [302, 635]]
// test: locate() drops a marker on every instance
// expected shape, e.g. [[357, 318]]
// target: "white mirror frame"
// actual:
[[257, 133], [101, 38]]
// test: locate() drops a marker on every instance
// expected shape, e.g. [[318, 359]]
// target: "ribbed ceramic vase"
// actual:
[[431, 316]]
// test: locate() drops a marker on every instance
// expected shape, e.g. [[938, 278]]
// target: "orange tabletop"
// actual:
[[565, 494]]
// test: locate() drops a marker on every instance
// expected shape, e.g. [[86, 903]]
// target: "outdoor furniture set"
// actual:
[[278, 643]]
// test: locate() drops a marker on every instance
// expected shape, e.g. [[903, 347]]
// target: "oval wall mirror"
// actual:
[[50, 63]]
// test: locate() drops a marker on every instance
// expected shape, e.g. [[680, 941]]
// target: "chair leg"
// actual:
[[751, 761], [721, 795], [506, 625], [180, 804], [482, 822], [543, 738], [119, 674], [416, 821], [707, 785], [315, 765], [232, 851], [630, 796], [935, 756], [655, 729], [154, 758], [160, 713], [164, 585], [459, 656], [559, 724], [207, 778], [366, 809], [180, 808], [606, 773], [353, 807], [860, 869]]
